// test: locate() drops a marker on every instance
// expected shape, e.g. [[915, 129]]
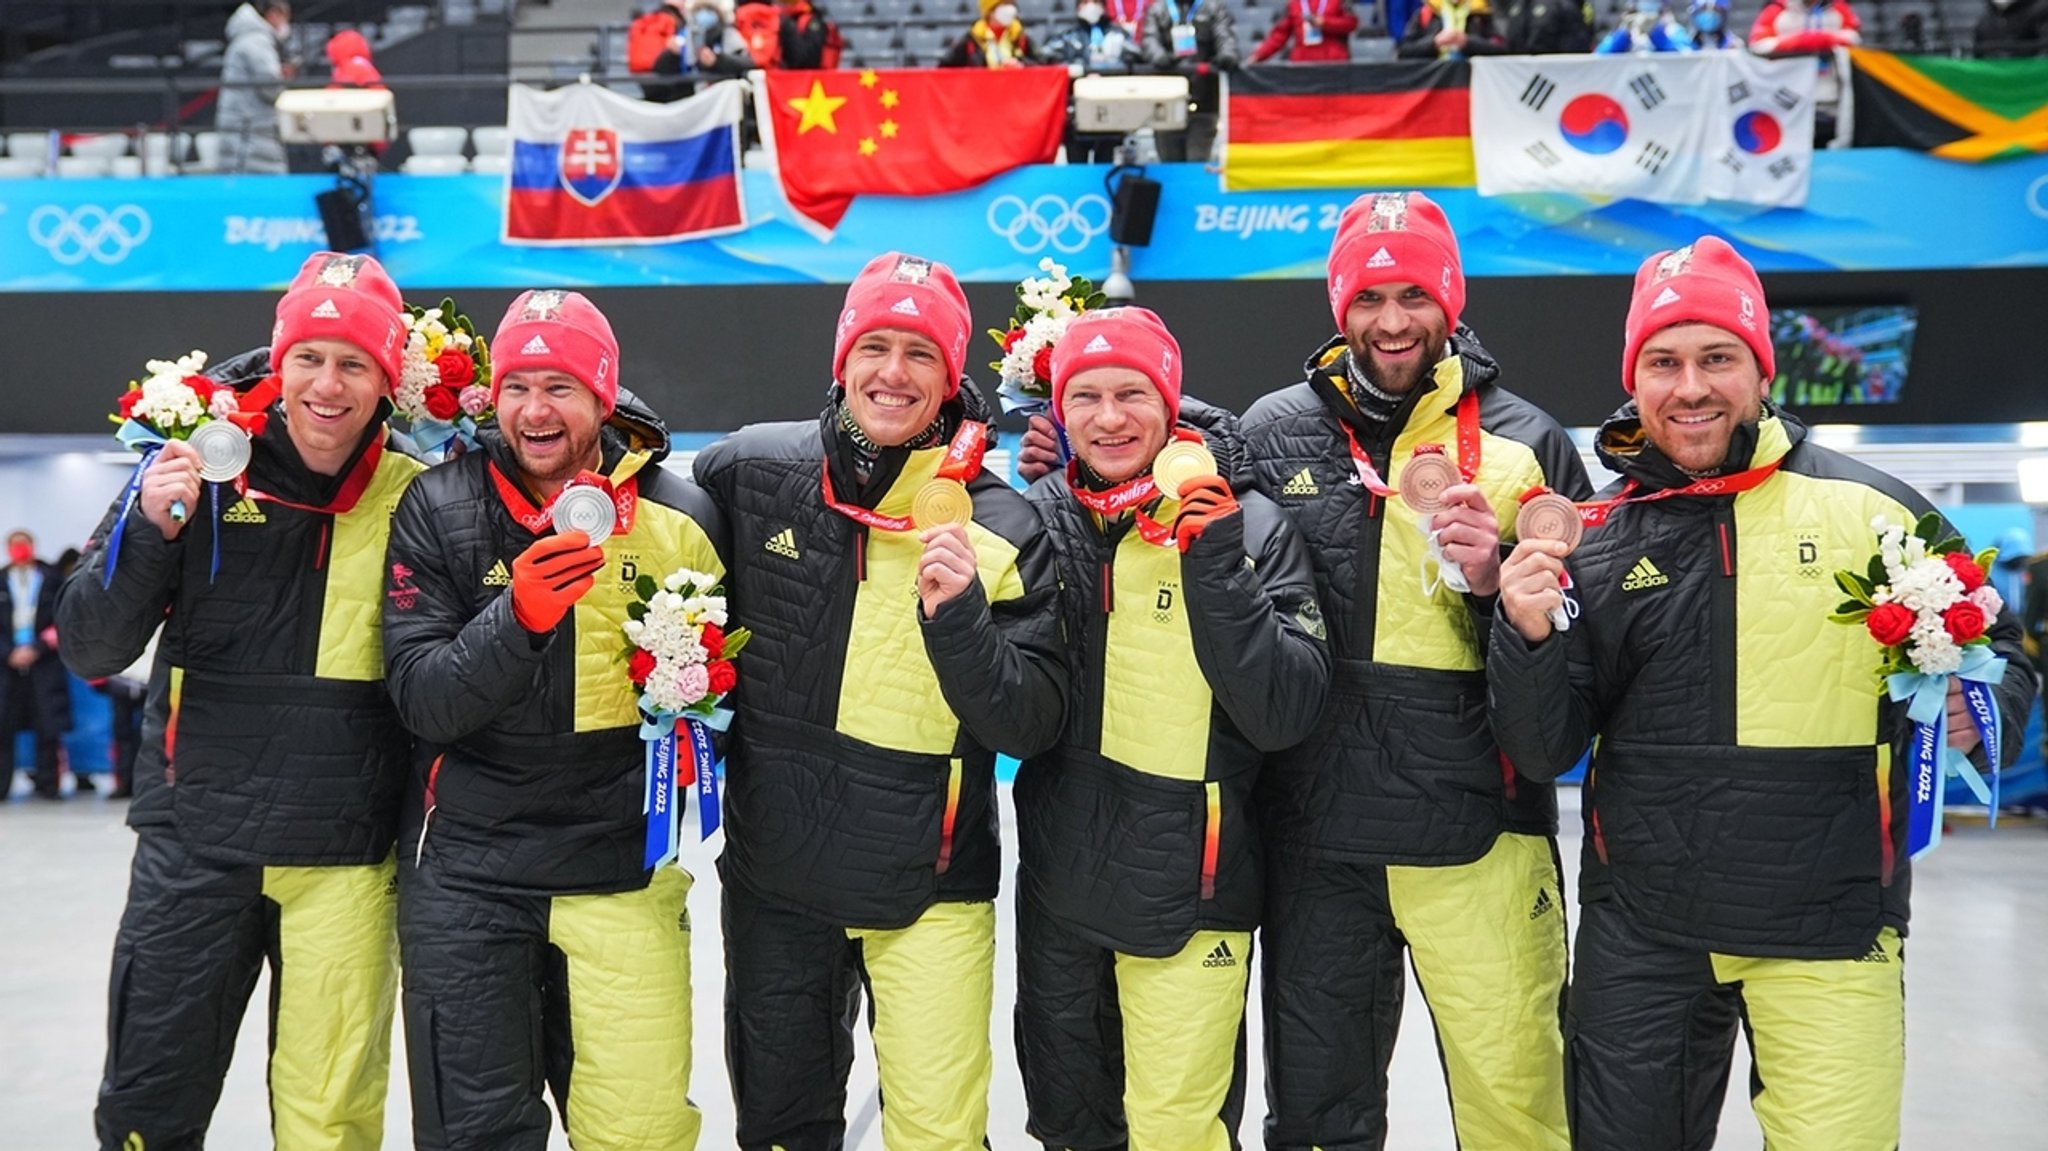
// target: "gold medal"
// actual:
[[1549, 516], [941, 502], [1179, 462], [1424, 479]]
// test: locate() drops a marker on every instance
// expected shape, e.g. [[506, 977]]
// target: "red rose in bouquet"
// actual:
[[713, 640], [1964, 621], [457, 370], [723, 677], [1890, 623], [640, 666], [443, 403], [1966, 570]]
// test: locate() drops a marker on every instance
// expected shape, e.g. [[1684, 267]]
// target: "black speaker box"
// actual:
[[1131, 215], [342, 215]]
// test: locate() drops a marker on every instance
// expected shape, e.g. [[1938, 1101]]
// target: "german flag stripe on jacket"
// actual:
[[268, 736], [1402, 770], [1748, 786], [540, 783], [861, 775], [1136, 830]]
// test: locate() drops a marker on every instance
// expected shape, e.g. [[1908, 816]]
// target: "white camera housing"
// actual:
[[336, 116], [1111, 104]]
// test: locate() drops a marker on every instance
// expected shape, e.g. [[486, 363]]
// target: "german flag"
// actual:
[[1958, 109], [1399, 125]]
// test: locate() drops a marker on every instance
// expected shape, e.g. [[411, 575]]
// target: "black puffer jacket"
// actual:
[[1748, 792], [862, 769], [1401, 769], [1137, 828], [285, 750], [540, 784]]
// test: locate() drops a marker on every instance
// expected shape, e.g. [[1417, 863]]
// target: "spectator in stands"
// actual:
[[1130, 16], [1795, 28], [1198, 39], [1545, 27], [693, 38], [1710, 26], [34, 695], [1452, 30], [1094, 42], [252, 73], [1310, 32], [809, 40], [349, 53], [2012, 28], [1647, 27], [996, 40]]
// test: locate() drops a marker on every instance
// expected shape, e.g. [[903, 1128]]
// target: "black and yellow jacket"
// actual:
[[268, 737], [1402, 769], [1137, 829], [861, 769], [1748, 785], [542, 774]]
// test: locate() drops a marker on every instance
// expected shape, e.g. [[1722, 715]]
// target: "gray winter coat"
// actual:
[[247, 117]]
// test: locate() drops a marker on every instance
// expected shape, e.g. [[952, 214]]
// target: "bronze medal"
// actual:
[[1179, 462], [941, 502], [1424, 479], [1549, 516]]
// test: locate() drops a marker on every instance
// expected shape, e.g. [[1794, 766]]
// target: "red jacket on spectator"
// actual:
[[1790, 26], [350, 55], [1339, 22]]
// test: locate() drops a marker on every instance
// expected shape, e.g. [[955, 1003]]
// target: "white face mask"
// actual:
[[1004, 14], [1089, 13]]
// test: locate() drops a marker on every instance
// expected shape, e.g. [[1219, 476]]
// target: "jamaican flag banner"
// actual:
[[1396, 125], [1959, 109]]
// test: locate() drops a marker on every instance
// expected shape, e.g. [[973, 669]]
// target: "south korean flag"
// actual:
[[1619, 126], [1760, 150]]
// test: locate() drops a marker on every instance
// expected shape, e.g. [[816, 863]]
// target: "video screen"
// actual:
[[1843, 354]]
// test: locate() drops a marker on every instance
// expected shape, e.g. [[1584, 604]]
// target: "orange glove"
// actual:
[[1203, 501], [549, 577]]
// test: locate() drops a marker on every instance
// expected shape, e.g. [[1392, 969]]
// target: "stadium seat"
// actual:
[[491, 140], [17, 168], [105, 146], [28, 145], [418, 164], [82, 167], [126, 167], [206, 146], [438, 141], [491, 163]]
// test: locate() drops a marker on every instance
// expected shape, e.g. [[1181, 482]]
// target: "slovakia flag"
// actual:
[[590, 166]]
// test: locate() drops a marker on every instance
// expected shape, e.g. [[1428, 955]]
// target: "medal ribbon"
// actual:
[[1129, 496], [1468, 449], [623, 486], [1595, 513], [127, 504], [962, 463], [352, 486]]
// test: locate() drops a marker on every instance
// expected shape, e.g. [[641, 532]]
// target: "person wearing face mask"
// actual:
[[267, 786], [1396, 829], [2010, 28], [1648, 27], [997, 40], [1710, 27], [900, 641], [1310, 32], [252, 75], [1199, 649], [1093, 43], [544, 940], [685, 38], [34, 695], [1745, 867]]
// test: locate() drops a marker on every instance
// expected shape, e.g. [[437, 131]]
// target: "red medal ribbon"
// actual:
[[1128, 496], [625, 497], [1595, 514], [962, 463], [1468, 449], [352, 486]]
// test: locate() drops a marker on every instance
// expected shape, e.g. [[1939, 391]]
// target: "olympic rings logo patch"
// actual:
[[1049, 221], [88, 232]]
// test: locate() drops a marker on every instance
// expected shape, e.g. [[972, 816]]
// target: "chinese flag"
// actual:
[[838, 135]]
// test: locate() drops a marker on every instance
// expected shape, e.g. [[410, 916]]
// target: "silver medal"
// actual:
[[585, 509], [223, 450]]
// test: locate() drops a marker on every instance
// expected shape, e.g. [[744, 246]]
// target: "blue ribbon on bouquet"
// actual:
[[1932, 760], [434, 441], [1017, 401], [659, 805]]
